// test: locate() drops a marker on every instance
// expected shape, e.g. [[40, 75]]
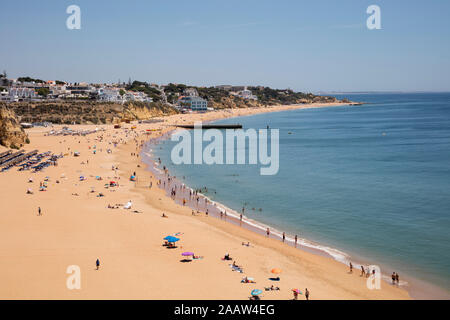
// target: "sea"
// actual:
[[363, 183]]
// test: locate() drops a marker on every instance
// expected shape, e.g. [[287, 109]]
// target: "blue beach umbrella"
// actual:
[[171, 239], [256, 292]]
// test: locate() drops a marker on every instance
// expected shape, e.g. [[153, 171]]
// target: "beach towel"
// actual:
[[236, 268], [128, 205]]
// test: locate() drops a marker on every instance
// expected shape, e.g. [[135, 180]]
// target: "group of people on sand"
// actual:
[[365, 272], [296, 292], [246, 279]]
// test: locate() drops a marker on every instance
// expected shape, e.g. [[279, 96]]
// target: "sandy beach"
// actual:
[[77, 227]]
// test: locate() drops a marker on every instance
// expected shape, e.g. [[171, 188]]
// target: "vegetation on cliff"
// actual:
[[219, 98], [268, 96], [139, 86]]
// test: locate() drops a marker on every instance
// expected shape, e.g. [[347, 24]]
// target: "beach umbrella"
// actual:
[[256, 292], [297, 290], [171, 239], [187, 253], [276, 271]]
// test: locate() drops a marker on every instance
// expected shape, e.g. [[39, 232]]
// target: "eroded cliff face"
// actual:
[[11, 133], [87, 112], [139, 112]]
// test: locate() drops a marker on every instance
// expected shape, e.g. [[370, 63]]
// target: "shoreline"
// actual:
[[78, 227], [413, 286], [232, 216]]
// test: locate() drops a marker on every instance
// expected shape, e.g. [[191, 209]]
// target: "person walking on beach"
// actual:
[[268, 232], [295, 240], [39, 211], [306, 294], [351, 268], [397, 279], [97, 263], [363, 272], [393, 277], [284, 236], [295, 295]]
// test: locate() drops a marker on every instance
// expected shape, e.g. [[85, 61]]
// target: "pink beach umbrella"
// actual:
[[187, 254]]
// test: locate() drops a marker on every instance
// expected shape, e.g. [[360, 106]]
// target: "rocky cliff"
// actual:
[[11, 133], [87, 112]]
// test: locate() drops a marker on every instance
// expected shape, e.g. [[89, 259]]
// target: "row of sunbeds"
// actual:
[[16, 159]]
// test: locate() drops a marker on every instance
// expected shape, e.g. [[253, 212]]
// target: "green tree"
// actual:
[[28, 79], [43, 92]]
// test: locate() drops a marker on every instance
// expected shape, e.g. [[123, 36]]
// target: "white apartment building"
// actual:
[[58, 90], [109, 95], [113, 95], [19, 93], [4, 95], [190, 92], [245, 94]]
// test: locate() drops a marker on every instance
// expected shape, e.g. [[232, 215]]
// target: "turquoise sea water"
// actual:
[[372, 181]]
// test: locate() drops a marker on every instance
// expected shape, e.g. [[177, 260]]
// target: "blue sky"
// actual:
[[321, 45]]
